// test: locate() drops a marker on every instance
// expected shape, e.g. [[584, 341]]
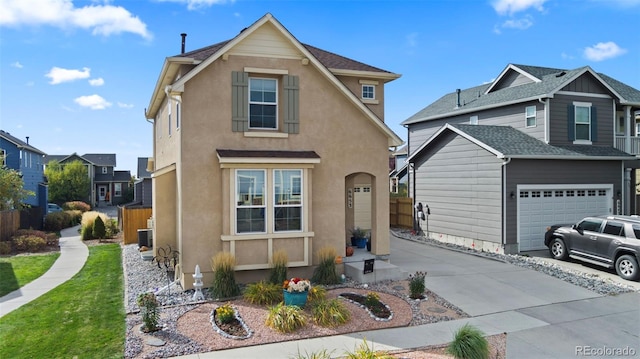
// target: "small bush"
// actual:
[[469, 343], [5, 247], [111, 226], [285, 318], [224, 281], [28, 243], [325, 272], [148, 304], [372, 299], [225, 313], [88, 219], [278, 271], [330, 313], [31, 232], [75, 215], [316, 294], [52, 240], [263, 293], [322, 354], [366, 352], [57, 221], [77, 205], [416, 285], [99, 231]]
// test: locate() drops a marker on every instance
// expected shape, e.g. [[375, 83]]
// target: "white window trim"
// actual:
[[577, 104], [104, 170], [116, 192], [473, 120], [264, 205], [301, 205], [264, 103], [534, 116], [373, 92]]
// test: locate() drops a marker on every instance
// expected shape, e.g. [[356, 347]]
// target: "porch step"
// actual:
[[382, 271], [147, 255]]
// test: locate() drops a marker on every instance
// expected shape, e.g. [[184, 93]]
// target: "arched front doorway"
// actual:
[[359, 204]]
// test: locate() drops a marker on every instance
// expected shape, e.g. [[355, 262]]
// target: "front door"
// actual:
[[102, 192]]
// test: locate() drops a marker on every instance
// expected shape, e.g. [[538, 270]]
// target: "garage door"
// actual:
[[541, 207], [362, 206]]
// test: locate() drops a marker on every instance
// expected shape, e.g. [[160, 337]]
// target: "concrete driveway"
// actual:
[[571, 320]]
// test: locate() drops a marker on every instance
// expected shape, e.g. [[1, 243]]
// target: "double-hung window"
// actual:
[[117, 189], [530, 116], [263, 104], [250, 201], [287, 200], [583, 122]]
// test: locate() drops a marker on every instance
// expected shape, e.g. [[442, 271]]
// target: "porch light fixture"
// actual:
[[513, 195]]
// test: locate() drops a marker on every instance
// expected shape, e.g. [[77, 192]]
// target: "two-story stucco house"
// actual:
[[264, 143], [108, 186], [498, 163], [28, 160]]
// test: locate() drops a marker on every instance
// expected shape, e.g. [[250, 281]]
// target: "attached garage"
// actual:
[[543, 205]]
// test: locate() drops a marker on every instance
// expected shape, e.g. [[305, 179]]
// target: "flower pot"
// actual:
[[361, 242], [298, 299], [349, 251]]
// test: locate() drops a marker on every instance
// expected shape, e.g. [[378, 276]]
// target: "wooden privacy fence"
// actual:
[[132, 220], [401, 212], [9, 224]]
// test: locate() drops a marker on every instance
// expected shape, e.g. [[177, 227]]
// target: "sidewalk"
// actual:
[[73, 255]]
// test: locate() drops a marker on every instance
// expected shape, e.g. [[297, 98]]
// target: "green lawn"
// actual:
[[82, 318], [17, 271]]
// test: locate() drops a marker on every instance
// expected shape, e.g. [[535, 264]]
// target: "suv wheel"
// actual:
[[627, 267], [558, 249]]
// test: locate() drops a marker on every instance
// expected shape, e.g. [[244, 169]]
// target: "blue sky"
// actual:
[[76, 76]]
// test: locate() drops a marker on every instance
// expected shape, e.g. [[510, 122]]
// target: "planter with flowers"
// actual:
[[295, 291]]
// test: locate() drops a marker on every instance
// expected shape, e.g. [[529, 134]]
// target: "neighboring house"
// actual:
[[263, 143], [28, 161], [398, 169], [108, 186], [498, 163], [142, 194]]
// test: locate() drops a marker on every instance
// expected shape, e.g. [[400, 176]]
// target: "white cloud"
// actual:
[[94, 102], [520, 24], [59, 75], [566, 56], [100, 19], [96, 82], [124, 105], [17, 65], [198, 4], [603, 51], [504, 7]]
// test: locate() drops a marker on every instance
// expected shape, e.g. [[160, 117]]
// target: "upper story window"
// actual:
[[263, 103], [368, 92], [104, 170], [530, 116], [473, 120], [583, 122]]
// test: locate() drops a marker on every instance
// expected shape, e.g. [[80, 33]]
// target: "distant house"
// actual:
[[142, 194], [263, 143], [498, 163], [28, 161], [108, 186], [398, 169]]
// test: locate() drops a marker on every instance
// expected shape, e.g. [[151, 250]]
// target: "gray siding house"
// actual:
[[498, 163]]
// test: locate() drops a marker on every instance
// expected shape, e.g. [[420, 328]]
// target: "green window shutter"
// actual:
[[290, 103], [239, 101], [571, 122], [594, 124]]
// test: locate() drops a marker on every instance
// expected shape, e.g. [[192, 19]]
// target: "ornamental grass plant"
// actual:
[[325, 272], [330, 313], [278, 267], [469, 343], [285, 318], [416, 285], [263, 293], [224, 281]]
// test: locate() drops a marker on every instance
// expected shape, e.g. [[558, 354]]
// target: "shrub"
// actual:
[[112, 228], [325, 273], [75, 215], [5, 247], [364, 352], [469, 343], [285, 318], [225, 313], [263, 293], [224, 281], [77, 205], [330, 313], [316, 294], [322, 354], [57, 221], [88, 218], [31, 232], [372, 299], [28, 243], [278, 271], [52, 239], [416, 285], [148, 304], [99, 231]]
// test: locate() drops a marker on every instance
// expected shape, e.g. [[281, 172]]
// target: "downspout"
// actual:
[[546, 118], [505, 162]]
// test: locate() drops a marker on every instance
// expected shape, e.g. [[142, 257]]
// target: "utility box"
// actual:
[[145, 238]]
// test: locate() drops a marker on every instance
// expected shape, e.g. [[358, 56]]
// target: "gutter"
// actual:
[[505, 162]]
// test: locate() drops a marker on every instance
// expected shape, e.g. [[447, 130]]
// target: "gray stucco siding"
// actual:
[[559, 116], [461, 183], [550, 172]]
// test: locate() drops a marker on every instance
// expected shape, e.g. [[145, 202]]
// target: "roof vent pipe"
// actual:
[[184, 36], [27, 140], [458, 98]]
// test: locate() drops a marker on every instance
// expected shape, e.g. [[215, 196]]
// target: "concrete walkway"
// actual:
[[73, 255]]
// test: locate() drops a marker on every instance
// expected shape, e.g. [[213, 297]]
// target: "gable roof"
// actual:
[[507, 142], [142, 168], [544, 83], [19, 143], [329, 64], [96, 159]]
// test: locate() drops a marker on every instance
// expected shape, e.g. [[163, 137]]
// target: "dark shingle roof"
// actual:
[[475, 98], [101, 159], [511, 142], [266, 154], [19, 143], [142, 168]]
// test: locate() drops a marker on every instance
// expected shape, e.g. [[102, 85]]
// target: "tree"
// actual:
[[12, 191], [67, 182]]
